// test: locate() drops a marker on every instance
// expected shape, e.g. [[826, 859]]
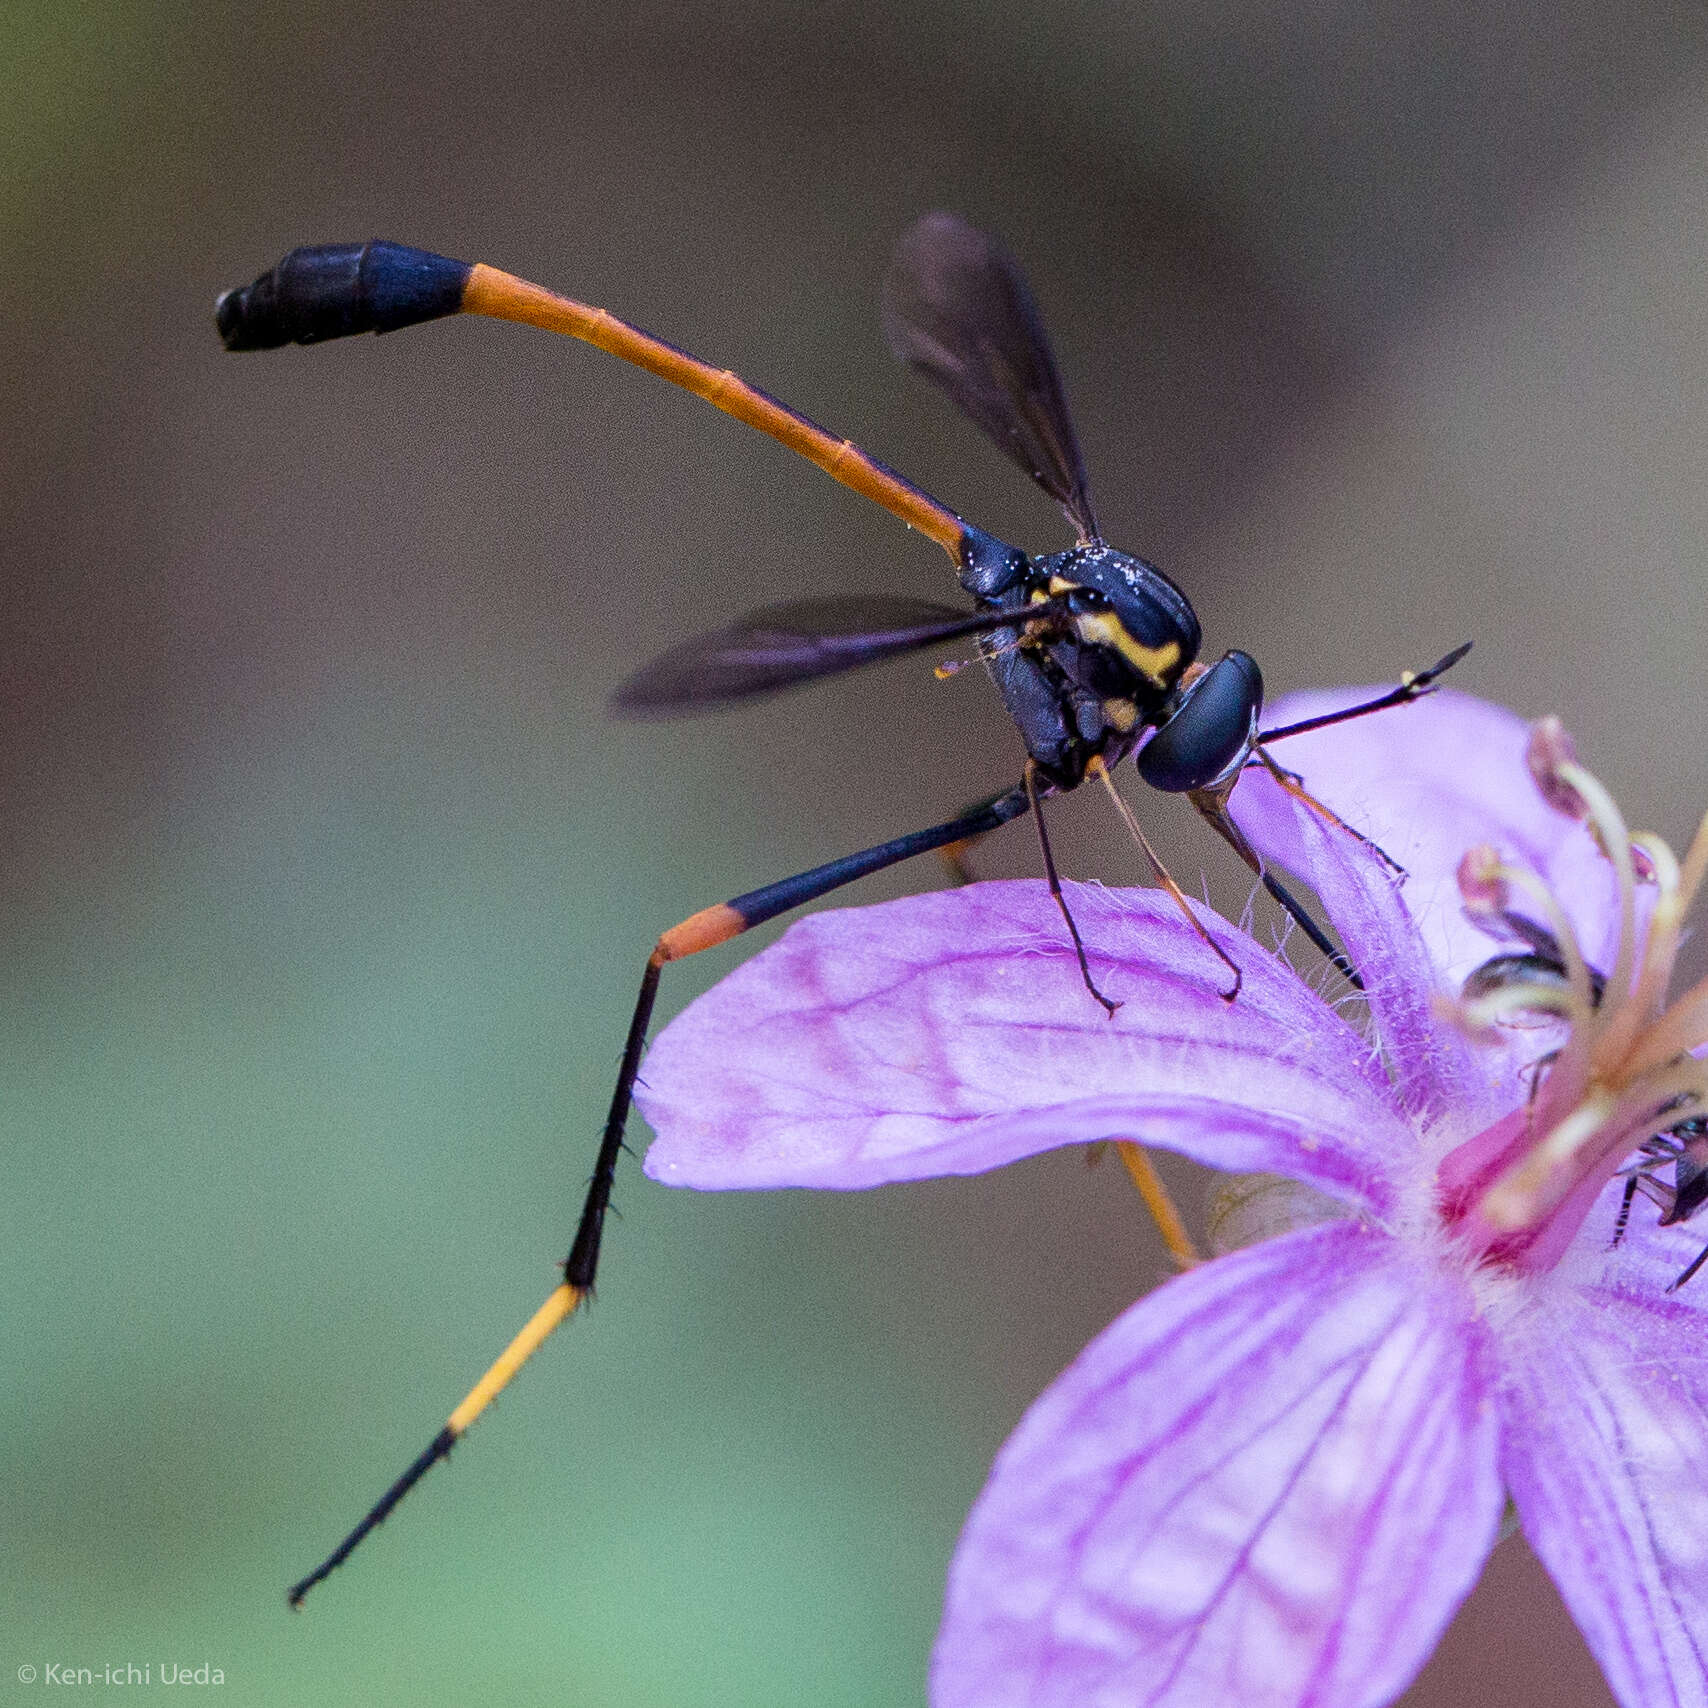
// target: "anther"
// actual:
[[1548, 754], [1483, 887]]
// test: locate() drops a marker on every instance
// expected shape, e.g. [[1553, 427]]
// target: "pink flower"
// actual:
[[1273, 1480]]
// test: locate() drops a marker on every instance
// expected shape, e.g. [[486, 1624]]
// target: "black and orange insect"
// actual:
[[1094, 651]]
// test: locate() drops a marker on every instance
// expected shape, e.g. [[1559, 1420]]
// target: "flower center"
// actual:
[[1625, 1074]]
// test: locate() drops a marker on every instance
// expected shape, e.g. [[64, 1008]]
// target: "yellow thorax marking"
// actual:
[[1103, 628]]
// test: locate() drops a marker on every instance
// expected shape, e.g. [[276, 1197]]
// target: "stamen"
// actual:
[[1604, 1123], [1549, 751], [1483, 890], [1482, 1014], [1618, 1021], [1695, 866], [1681, 1029], [1660, 943], [1502, 878], [1518, 1199], [1655, 1103], [1625, 1077], [1656, 863]]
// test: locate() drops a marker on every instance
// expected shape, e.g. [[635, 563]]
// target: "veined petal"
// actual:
[[1647, 1260], [1606, 1435], [1269, 1483], [1428, 781], [950, 1033], [1434, 1072]]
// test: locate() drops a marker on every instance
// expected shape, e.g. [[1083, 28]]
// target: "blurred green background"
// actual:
[[325, 883]]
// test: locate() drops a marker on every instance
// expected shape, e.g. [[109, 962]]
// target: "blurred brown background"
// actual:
[[324, 882]]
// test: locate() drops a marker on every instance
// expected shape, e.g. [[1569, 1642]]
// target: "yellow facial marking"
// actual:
[[1123, 714]]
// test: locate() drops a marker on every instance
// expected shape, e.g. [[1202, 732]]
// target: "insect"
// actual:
[[1683, 1147], [1094, 651]]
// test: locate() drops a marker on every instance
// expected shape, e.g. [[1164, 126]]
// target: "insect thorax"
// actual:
[[1096, 684]]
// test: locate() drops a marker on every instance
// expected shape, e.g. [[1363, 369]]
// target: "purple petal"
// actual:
[[1427, 781], [1435, 1072], [950, 1033], [1647, 1260], [1268, 1484], [1606, 1420]]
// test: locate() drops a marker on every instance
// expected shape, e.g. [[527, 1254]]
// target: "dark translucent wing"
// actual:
[[958, 308], [785, 644]]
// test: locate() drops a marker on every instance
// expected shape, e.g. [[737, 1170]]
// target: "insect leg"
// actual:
[[1036, 800], [337, 290], [956, 864], [1101, 771], [1142, 1172], [1695, 1264], [1623, 1219], [1212, 806], [703, 930], [503, 296], [954, 855], [1294, 784]]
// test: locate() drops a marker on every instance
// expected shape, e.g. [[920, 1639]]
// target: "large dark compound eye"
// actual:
[[1211, 730]]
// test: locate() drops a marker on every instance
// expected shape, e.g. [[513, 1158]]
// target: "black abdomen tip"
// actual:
[[332, 290]]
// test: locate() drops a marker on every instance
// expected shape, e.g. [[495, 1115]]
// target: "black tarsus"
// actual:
[[755, 907], [1211, 806], [580, 1267], [1690, 1269], [1055, 883], [440, 1448], [1623, 1219], [1301, 917], [1294, 783]]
